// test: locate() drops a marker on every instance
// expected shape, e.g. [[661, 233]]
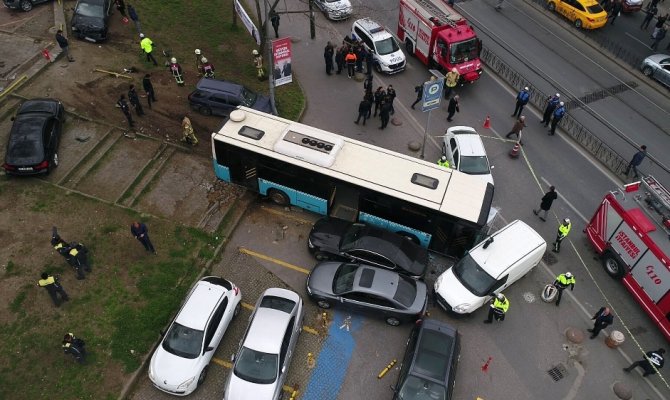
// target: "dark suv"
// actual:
[[218, 97], [428, 370], [25, 5]]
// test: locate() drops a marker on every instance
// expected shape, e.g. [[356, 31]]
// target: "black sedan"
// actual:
[[25, 5], [367, 289], [91, 20], [34, 138], [332, 238]]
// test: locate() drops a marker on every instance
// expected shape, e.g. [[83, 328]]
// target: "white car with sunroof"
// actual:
[[466, 153]]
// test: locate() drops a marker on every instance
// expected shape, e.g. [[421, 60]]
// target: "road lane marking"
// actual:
[[273, 260], [638, 40], [573, 208]]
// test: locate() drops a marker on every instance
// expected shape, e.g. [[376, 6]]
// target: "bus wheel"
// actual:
[[278, 197], [613, 266]]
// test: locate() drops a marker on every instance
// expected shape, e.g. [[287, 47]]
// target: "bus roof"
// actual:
[[394, 174]]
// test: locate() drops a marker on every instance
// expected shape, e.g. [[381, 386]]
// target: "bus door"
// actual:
[[343, 203], [248, 173]]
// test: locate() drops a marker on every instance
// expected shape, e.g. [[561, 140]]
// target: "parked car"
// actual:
[[466, 153], [630, 6], [367, 289], [262, 361], [387, 54], [586, 14], [179, 364], [657, 66], [90, 20], [335, 10], [25, 5], [33, 141], [428, 369], [332, 238], [219, 97]]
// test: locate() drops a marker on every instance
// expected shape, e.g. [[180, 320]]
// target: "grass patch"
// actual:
[[11, 269], [17, 303]]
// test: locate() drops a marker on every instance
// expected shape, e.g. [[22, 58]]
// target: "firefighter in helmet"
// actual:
[[177, 72], [258, 63], [207, 68]]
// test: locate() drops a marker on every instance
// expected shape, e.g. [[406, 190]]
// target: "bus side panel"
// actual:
[[222, 172], [297, 198], [423, 237]]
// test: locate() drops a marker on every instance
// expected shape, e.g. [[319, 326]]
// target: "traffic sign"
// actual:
[[432, 94]]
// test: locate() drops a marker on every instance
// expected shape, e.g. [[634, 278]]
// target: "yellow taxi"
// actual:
[[587, 14]]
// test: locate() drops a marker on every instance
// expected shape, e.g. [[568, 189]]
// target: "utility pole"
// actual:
[[312, 29]]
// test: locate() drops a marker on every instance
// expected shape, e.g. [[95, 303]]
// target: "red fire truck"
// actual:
[[630, 230], [440, 37]]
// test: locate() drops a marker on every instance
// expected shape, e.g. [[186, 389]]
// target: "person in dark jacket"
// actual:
[[379, 95], [452, 108], [135, 18], [64, 45], [521, 100], [141, 233], [339, 58], [54, 288], [361, 53], [390, 95], [545, 203], [274, 19], [617, 6], [123, 105], [121, 6], [369, 61], [149, 89], [134, 100], [74, 346], [651, 13], [552, 103], [419, 95], [636, 161], [602, 319], [558, 114], [363, 110], [653, 361], [659, 34], [385, 113], [328, 52]]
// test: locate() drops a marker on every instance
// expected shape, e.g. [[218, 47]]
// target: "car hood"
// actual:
[[262, 104], [170, 370], [239, 389], [451, 290], [321, 277], [327, 233], [82, 22], [393, 58], [342, 5]]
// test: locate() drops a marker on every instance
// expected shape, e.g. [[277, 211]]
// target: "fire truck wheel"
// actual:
[[613, 266], [409, 47]]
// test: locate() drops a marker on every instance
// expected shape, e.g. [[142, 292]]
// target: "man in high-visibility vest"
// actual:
[[562, 282], [498, 308], [563, 230], [74, 346], [147, 46], [443, 162], [54, 288], [350, 61]]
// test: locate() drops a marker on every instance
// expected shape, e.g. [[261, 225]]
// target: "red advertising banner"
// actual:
[[281, 61]]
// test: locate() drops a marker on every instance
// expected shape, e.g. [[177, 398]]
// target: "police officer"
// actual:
[[147, 46], [379, 95], [328, 52], [385, 112], [76, 257], [390, 95], [177, 72], [450, 82], [498, 308], [563, 230], [75, 346], [552, 103], [363, 110], [652, 362], [558, 113], [562, 282], [258, 63], [521, 100], [443, 162], [54, 288]]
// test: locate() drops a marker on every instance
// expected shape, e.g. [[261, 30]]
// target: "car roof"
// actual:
[[470, 145], [376, 281], [588, 3], [200, 304], [39, 106], [373, 28], [266, 330], [219, 86], [397, 248], [436, 346]]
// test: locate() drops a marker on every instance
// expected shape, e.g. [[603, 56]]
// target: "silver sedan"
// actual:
[[657, 66]]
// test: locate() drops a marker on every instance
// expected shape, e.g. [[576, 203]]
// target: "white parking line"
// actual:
[[638, 40]]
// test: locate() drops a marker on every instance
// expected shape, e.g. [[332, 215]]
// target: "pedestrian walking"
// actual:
[[149, 89], [650, 14], [188, 132], [121, 6], [661, 20], [385, 113], [363, 110], [517, 128], [258, 64], [498, 308], [367, 83], [328, 52], [350, 60], [562, 233], [636, 161], [371, 99], [121, 103], [274, 19], [360, 57], [340, 54], [450, 82], [558, 114], [452, 108], [419, 95], [369, 62], [134, 100], [617, 6], [64, 45], [443, 162], [562, 282], [148, 47], [177, 72], [390, 95], [552, 103], [54, 288], [75, 346], [659, 35], [132, 13], [141, 233], [379, 95], [545, 203], [521, 100], [652, 362], [602, 319]]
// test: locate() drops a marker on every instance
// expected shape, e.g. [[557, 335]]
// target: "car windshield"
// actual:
[[415, 388], [90, 10], [257, 367], [344, 278], [406, 292], [249, 97], [473, 277], [595, 9], [386, 46], [464, 51], [278, 303], [475, 165], [350, 237], [183, 341]]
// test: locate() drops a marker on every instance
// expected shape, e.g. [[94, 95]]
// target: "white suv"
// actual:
[[335, 10], [388, 57], [179, 364], [261, 363], [466, 153]]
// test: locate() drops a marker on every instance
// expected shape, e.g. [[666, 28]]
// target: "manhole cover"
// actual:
[[549, 258], [558, 372], [529, 297]]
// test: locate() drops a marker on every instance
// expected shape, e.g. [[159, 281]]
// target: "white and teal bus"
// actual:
[[329, 174]]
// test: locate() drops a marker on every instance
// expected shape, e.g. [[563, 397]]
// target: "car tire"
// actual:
[[647, 71], [26, 5], [278, 197], [409, 47], [393, 321], [613, 266], [551, 6], [54, 163], [203, 375], [578, 23], [321, 256], [237, 309], [323, 304], [204, 110]]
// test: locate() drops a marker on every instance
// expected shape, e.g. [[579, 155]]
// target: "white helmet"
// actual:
[[525, 88], [255, 52], [173, 60], [558, 95], [443, 158], [197, 52], [561, 104], [141, 35], [204, 60], [568, 275], [566, 220], [500, 296]]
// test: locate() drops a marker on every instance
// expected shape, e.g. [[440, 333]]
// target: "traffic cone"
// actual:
[[487, 122], [45, 54], [514, 153]]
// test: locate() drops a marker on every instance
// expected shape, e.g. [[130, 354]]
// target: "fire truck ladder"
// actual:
[[438, 12]]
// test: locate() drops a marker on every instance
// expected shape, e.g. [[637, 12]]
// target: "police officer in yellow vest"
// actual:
[[498, 308], [443, 162], [563, 230], [54, 289], [450, 81], [74, 346], [562, 282]]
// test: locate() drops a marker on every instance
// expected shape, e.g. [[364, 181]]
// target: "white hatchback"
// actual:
[[387, 55], [466, 153], [335, 10], [179, 364]]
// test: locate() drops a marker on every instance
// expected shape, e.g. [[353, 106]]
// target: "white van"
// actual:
[[489, 268]]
